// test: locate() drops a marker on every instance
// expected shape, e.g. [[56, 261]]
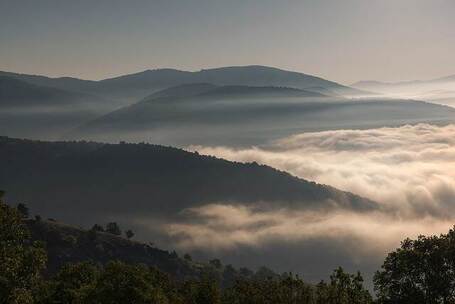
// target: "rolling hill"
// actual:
[[130, 88], [149, 80], [30, 110], [439, 90], [84, 182], [205, 114], [16, 93], [66, 244]]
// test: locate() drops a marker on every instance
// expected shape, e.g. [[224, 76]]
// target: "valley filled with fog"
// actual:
[[292, 171], [227, 152]]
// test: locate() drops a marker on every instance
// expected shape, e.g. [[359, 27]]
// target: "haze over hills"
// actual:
[[15, 93], [439, 90], [239, 75], [64, 83], [154, 189], [205, 114], [230, 106], [31, 110], [132, 87]]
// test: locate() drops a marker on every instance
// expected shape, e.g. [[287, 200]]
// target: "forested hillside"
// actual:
[[47, 262], [83, 182]]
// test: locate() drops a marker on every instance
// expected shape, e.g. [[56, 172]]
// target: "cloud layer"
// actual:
[[410, 170]]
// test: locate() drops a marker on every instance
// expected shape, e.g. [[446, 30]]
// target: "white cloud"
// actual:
[[410, 170], [218, 227]]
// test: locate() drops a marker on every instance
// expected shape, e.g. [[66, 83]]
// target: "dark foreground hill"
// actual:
[[66, 244], [96, 270], [83, 183], [70, 244]]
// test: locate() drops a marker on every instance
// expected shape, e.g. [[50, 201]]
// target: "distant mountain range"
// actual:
[[439, 90], [373, 84], [16, 93], [225, 106], [131, 88], [206, 114], [32, 110]]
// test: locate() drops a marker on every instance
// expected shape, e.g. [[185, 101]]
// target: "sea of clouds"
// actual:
[[408, 170]]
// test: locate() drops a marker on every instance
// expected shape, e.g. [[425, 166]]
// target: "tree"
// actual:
[[129, 234], [97, 228], [216, 263], [74, 283], [23, 210], [203, 291], [348, 288], [21, 260], [122, 283], [113, 228], [420, 271], [187, 257]]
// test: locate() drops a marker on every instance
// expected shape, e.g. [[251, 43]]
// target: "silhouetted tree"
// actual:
[[216, 263], [187, 257], [23, 210], [97, 228], [420, 271], [129, 234], [113, 228]]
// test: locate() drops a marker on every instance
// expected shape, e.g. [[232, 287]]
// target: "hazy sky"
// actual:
[[343, 40]]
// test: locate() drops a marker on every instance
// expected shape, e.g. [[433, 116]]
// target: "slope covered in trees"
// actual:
[[83, 182], [24, 277], [52, 264]]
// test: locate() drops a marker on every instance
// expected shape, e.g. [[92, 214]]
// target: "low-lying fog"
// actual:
[[436, 91], [409, 170]]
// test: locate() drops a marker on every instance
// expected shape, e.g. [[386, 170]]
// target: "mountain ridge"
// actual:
[[152, 172], [135, 86]]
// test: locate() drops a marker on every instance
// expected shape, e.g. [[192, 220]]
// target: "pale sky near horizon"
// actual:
[[344, 41]]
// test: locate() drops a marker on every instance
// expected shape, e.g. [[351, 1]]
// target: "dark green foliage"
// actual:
[[204, 291], [74, 283], [113, 228], [420, 271], [21, 261], [122, 283], [289, 289], [112, 282], [347, 288]]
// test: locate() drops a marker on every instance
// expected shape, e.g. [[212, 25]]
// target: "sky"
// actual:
[[344, 41]]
